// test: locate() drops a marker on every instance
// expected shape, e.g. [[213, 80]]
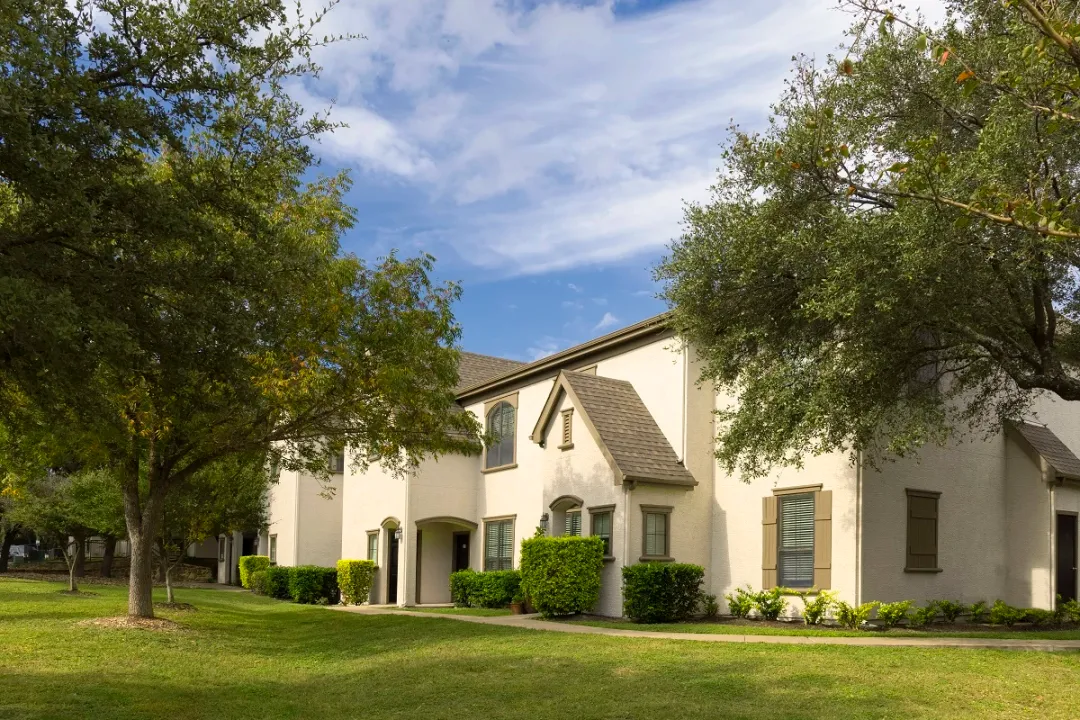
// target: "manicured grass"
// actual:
[[800, 630], [478, 612], [245, 657]]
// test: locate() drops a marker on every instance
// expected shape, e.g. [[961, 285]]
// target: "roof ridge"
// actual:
[[491, 357]]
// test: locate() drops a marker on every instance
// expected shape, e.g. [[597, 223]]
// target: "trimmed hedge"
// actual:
[[561, 575], [257, 582], [354, 579], [250, 564], [277, 582], [313, 585], [492, 589], [656, 592]]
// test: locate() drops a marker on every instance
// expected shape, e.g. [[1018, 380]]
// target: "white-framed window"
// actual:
[[272, 549], [500, 423], [373, 546]]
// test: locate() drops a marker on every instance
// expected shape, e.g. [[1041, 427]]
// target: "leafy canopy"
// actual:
[[897, 256]]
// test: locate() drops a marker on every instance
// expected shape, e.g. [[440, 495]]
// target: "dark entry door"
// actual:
[[392, 568], [461, 551], [1066, 557]]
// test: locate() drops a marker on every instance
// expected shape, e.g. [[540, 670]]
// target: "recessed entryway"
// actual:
[[1066, 556]]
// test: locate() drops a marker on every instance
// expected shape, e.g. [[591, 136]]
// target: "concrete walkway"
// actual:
[[532, 622]]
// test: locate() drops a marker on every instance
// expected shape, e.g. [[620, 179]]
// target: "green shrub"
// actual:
[[354, 579], [741, 602], [277, 582], [1071, 610], [925, 615], [854, 616], [710, 609], [257, 582], [492, 589], [977, 612], [892, 614], [656, 592], [561, 575], [950, 609], [313, 585], [1007, 615], [1038, 616], [816, 609], [770, 603], [250, 564]]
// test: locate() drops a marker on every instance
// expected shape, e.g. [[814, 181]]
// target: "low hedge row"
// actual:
[[655, 592], [492, 589], [309, 584]]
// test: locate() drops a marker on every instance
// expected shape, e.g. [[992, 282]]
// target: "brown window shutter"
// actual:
[[768, 542], [823, 539], [922, 521]]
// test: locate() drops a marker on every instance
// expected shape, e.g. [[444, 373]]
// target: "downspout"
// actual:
[[858, 526], [1051, 537], [296, 522], [628, 487], [685, 390]]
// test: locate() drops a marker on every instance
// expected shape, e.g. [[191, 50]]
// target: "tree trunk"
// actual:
[[80, 555], [70, 555], [107, 556], [5, 549], [168, 585], [142, 522]]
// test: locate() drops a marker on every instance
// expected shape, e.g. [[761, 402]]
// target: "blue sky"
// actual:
[[542, 150]]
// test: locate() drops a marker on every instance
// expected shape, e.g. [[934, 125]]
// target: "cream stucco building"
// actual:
[[615, 438]]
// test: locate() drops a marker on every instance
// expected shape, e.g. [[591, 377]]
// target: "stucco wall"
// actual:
[[283, 506], [320, 518], [437, 552], [369, 499]]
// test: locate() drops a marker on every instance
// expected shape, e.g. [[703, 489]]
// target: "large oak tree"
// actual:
[[897, 256]]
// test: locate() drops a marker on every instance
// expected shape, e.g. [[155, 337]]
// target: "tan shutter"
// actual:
[[768, 542], [823, 539], [567, 426]]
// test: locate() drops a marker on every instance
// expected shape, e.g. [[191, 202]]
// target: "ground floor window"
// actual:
[[795, 558], [922, 531], [601, 528], [373, 546], [221, 549], [272, 549], [656, 527], [499, 545], [573, 523]]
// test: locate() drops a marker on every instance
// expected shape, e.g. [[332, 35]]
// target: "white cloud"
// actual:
[[572, 286], [558, 134], [543, 347], [607, 321]]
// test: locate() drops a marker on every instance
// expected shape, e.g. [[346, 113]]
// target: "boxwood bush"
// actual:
[[313, 585], [492, 589], [257, 582], [354, 578], [277, 582], [561, 575], [250, 564], [656, 592]]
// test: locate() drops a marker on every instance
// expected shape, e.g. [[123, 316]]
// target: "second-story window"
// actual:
[[337, 462], [500, 423]]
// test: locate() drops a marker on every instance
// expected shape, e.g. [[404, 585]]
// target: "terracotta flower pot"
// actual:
[[517, 608]]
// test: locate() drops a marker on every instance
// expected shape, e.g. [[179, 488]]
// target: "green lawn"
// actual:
[[478, 612], [249, 657], [800, 630]]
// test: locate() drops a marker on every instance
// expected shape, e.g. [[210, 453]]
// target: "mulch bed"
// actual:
[[934, 629], [129, 623]]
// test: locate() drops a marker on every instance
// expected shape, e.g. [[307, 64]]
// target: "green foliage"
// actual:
[[354, 579], [741, 602], [1039, 617], [894, 613], [313, 585], [257, 582], [977, 611], [854, 617], [1004, 614], [905, 216], [1071, 610], [656, 592], [277, 582], [491, 589], [561, 575], [710, 609], [925, 615], [951, 609], [770, 604], [250, 564], [816, 605]]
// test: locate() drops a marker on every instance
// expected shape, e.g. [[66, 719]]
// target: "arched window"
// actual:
[[500, 423]]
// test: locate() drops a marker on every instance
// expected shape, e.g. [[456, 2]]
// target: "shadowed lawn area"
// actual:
[[248, 657], [800, 630]]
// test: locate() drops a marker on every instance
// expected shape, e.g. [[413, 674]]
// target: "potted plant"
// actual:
[[517, 603]]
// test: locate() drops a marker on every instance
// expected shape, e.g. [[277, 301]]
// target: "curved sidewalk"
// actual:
[[530, 622]]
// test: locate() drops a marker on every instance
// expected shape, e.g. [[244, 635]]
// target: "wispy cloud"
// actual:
[[607, 321], [552, 134], [545, 346]]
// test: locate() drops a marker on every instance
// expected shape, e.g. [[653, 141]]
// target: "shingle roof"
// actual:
[[1049, 445], [627, 430], [474, 369]]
